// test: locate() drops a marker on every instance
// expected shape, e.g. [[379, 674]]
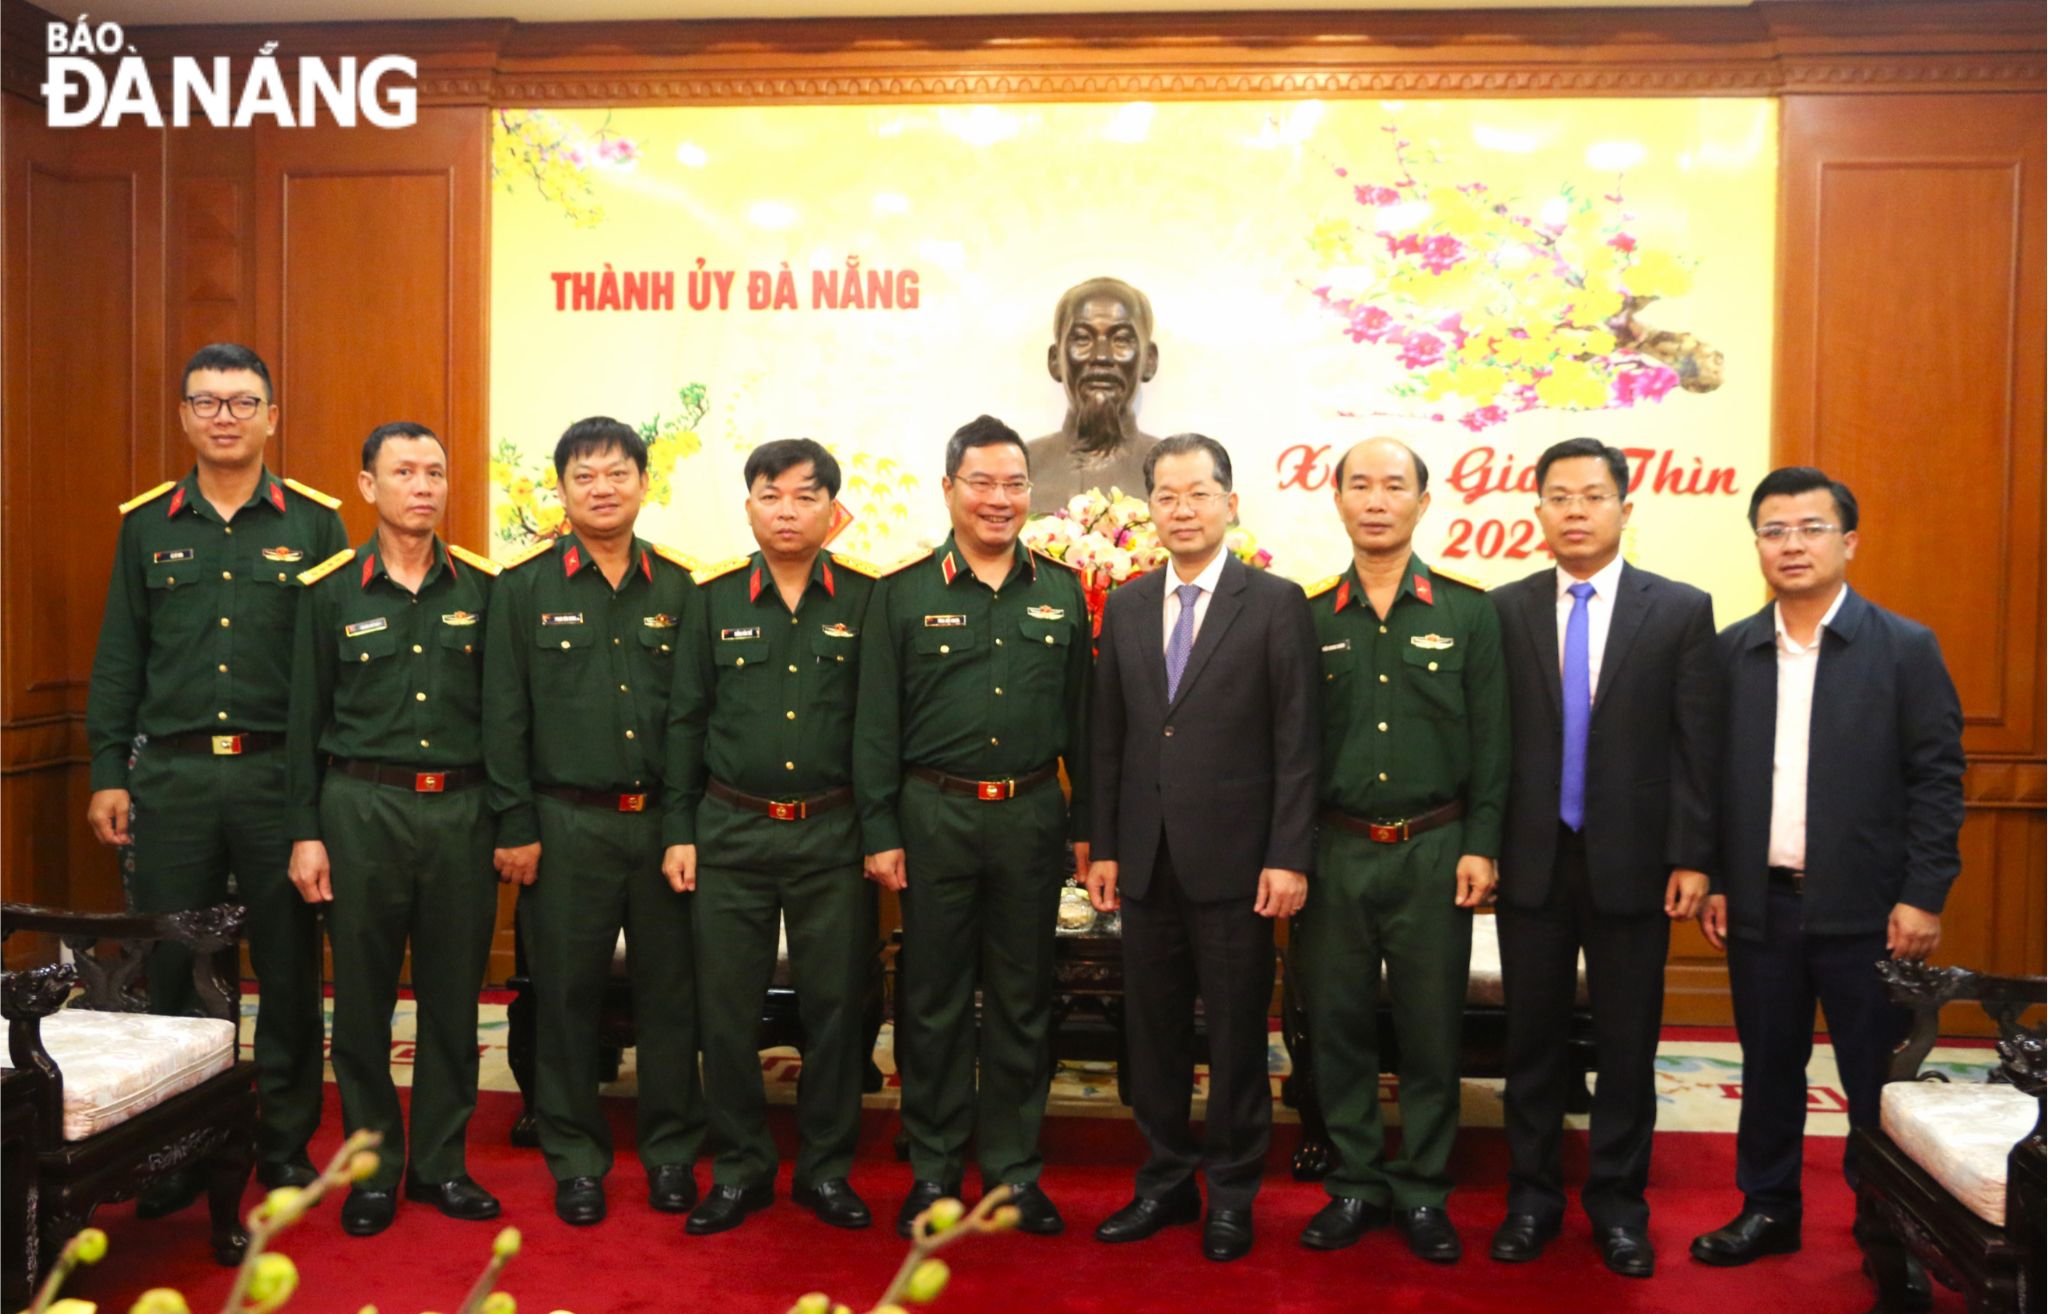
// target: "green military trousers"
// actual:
[[1393, 903], [406, 867], [198, 819], [599, 871], [761, 874], [978, 912]]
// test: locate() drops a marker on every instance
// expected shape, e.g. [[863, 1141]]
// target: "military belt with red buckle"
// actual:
[[1400, 831], [793, 809], [611, 800], [231, 743], [988, 791], [437, 781]]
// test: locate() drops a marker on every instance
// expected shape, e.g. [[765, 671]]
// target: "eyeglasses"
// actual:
[[982, 487], [1168, 503], [1566, 501], [206, 406], [1816, 530]]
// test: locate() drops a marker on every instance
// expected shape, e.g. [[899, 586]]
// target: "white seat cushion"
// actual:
[[780, 978], [1482, 986], [1960, 1136], [116, 1065]]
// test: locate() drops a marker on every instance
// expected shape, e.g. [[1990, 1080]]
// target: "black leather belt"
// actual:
[[226, 743], [1789, 878], [1395, 832], [796, 809], [988, 791], [435, 781], [611, 800]]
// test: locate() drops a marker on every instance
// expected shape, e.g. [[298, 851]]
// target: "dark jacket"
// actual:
[[1884, 780]]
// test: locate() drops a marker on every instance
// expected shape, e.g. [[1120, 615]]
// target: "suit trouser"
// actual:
[[600, 871], [1175, 948], [199, 818], [408, 867], [978, 912], [1625, 953], [1774, 984], [1397, 904]]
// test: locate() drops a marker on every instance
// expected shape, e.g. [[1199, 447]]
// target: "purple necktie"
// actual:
[[1578, 710], [1182, 640]]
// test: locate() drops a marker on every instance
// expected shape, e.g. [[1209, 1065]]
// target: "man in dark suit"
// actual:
[[1841, 796], [1612, 695], [1205, 758]]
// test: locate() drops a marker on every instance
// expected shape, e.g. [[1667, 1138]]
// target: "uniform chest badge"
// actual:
[[283, 554], [1433, 642], [561, 618], [944, 622], [839, 630], [1046, 613], [460, 618], [360, 628], [175, 554], [660, 620], [1342, 645], [748, 632]]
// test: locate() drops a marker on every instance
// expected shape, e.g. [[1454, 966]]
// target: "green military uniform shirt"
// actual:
[[976, 682], [1415, 707], [198, 628], [763, 699], [385, 675], [576, 676]]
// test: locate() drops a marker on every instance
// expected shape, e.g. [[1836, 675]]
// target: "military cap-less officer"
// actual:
[[1413, 784], [974, 689], [579, 654], [761, 753], [389, 821], [195, 656]]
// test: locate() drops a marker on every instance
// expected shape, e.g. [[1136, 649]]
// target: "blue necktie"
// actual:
[[1578, 710], [1182, 640]]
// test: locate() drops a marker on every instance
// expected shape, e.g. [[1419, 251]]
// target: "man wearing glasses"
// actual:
[[1841, 797], [1614, 707], [195, 657], [973, 693]]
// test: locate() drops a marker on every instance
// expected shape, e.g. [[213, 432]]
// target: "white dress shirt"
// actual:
[[1206, 581], [1599, 615], [1797, 667]]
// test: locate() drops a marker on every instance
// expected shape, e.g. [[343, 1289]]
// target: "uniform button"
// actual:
[[425, 744], [999, 691], [993, 740], [792, 668], [789, 715], [280, 575], [1383, 677], [1383, 629], [565, 645], [792, 620], [624, 689], [664, 647], [417, 648], [1048, 638], [1383, 777], [999, 643], [227, 574], [789, 766], [1329, 677], [420, 697], [615, 643], [467, 648], [222, 715], [629, 734], [1383, 727], [739, 661], [222, 668], [945, 648], [224, 622], [227, 529], [1169, 732], [170, 579], [360, 657]]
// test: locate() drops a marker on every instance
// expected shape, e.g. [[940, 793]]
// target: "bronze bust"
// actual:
[[1102, 350]]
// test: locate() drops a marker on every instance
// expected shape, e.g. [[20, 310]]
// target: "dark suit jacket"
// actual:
[[1884, 778], [1227, 771], [1650, 752]]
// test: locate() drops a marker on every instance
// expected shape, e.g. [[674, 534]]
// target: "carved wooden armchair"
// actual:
[[1952, 1175], [124, 1098]]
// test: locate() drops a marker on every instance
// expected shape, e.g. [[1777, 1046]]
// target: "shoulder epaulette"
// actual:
[[726, 567], [1467, 581], [1322, 586], [314, 494], [327, 567], [154, 493], [1047, 556], [529, 553], [475, 560], [856, 565], [922, 554], [675, 558]]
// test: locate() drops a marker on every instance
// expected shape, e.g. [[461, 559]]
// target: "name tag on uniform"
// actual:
[[283, 554], [839, 630], [1344, 646], [660, 620], [1046, 613], [360, 628], [944, 622], [459, 618], [561, 618], [1433, 642], [750, 632], [175, 554]]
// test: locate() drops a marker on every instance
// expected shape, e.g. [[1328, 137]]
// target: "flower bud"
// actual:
[[71, 1306], [946, 1213], [507, 1244], [160, 1300], [500, 1302], [927, 1281], [282, 1205], [813, 1302], [362, 1165], [1004, 1219], [272, 1280], [89, 1246]]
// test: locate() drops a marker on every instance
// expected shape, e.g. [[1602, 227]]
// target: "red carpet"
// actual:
[[641, 1261]]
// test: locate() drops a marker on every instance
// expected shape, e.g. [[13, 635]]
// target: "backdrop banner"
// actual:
[[1479, 278]]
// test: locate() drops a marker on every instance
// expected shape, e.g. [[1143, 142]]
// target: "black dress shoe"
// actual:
[[1521, 1237], [726, 1207], [1341, 1222], [366, 1213], [579, 1201], [1430, 1234], [1227, 1234], [170, 1193], [1036, 1213], [671, 1188], [1751, 1236], [1148, 1213], [1626, 1250], [834, 1202], [292, 1172], [458, 1197], [923, 1195], [1916, 1297]]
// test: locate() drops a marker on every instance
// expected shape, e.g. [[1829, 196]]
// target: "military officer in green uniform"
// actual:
[[760, 748], [389, 825], [579, 652], [1413, 784], [195, 656], [973, 691]]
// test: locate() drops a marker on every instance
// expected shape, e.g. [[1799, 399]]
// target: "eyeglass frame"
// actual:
[[199, 403], [1775, 534], [1198, 501], [981, 486]]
